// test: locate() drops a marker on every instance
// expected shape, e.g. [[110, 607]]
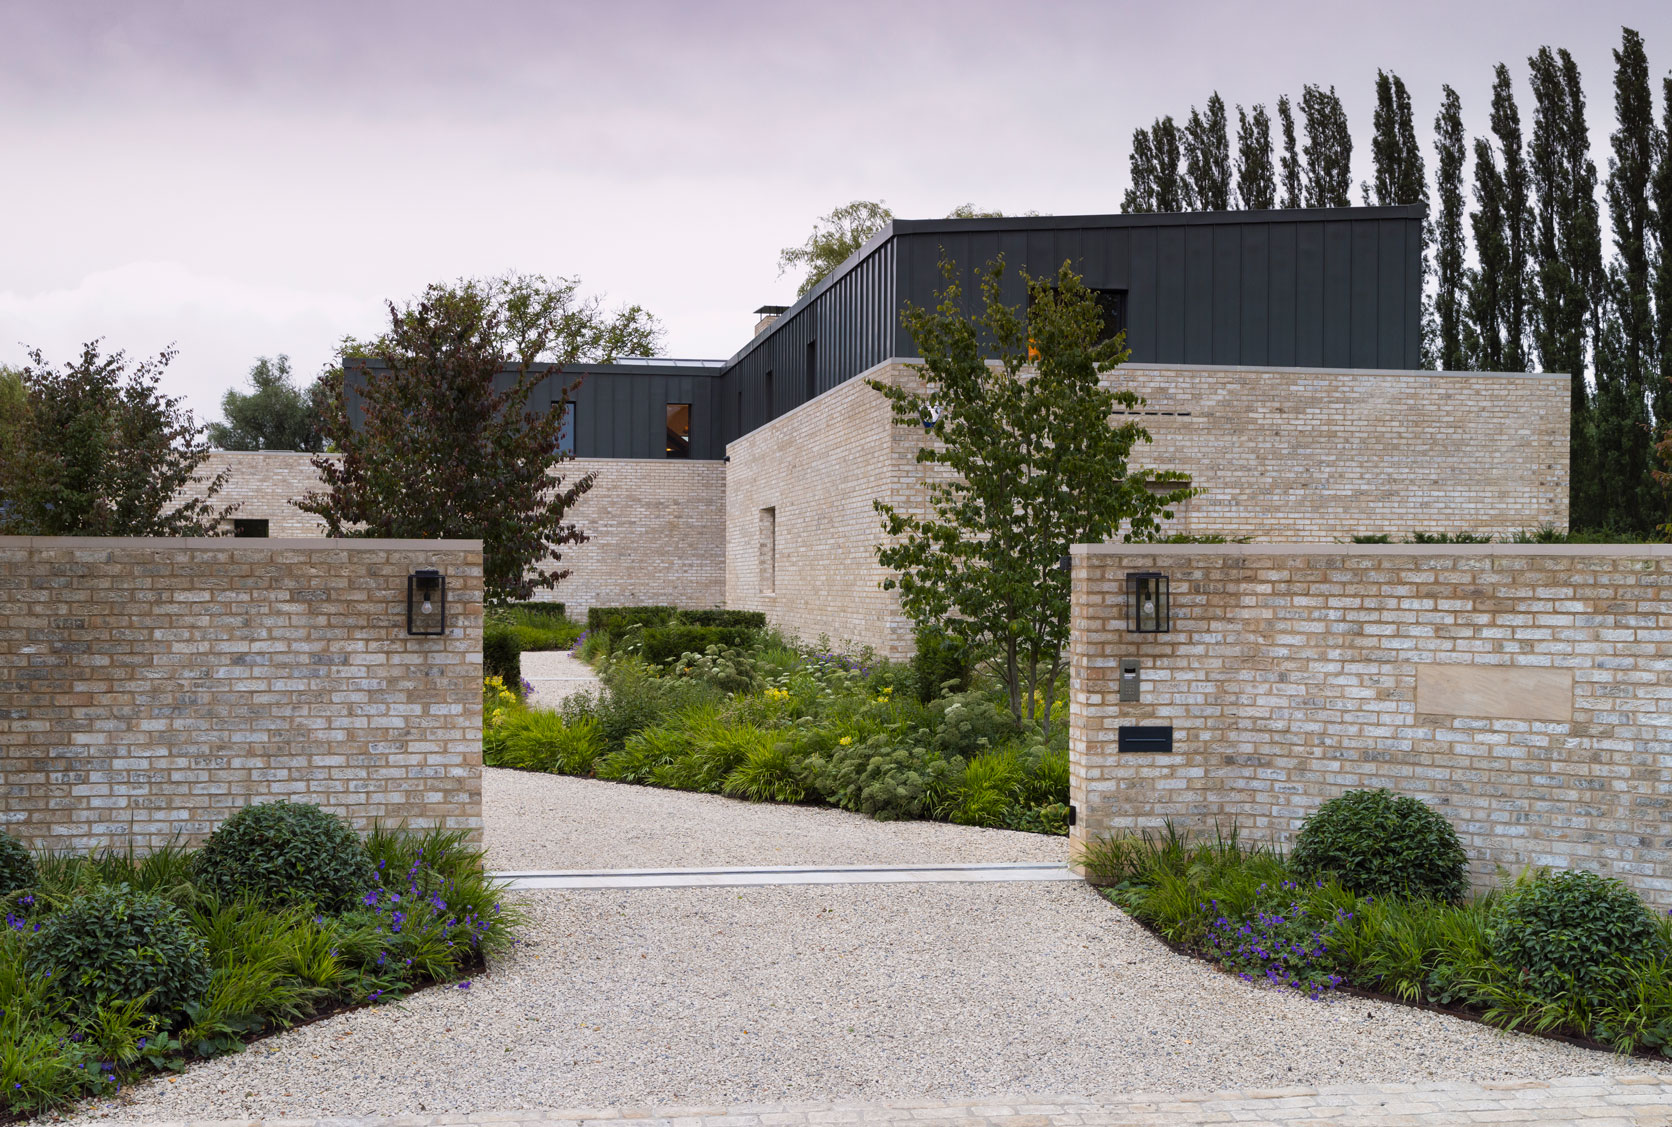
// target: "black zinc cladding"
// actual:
[[1319, 288]]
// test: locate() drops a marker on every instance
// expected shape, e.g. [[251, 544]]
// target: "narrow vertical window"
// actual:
[[812, 369], [679, 430], [767, 551], [566, 433]]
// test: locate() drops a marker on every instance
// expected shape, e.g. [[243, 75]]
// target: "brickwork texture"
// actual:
[[656, 527], [1293, 673], [151, 687]]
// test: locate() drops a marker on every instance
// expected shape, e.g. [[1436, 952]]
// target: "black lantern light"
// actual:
[[1146, 603], [426, 602]]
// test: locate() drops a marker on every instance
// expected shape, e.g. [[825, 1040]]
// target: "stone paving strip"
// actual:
[[1633, 1100], [785, 874]]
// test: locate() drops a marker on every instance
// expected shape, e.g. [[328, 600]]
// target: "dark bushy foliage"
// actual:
[[116, 945], [549, 610], [17, 868], [615, 620], [286, 853], [1378, 844], [887, 781], [741, 619], [635, 699], [1572, 929], [969, 724], [941, 664], [663, 644], [502, 655]]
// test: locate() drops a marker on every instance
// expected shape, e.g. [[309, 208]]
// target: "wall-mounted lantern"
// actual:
[[1146, 603], [426, 602]]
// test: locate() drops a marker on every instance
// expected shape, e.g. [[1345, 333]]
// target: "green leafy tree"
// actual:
[[447, 448], [1567, 245], [1294, 194], [1661, 222], [1030, 461], [1256, 179], [1328, 150], [1207, 146], [102, 452], [834, 240], [1157, 183], [1499, 306], [1450, 248], [274, 415], [1402, 179]]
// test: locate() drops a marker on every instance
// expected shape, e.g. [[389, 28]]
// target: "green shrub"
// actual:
[[887, 781], [1046, 779], [988, 789], [17, 868], [661, 645], [502, 656], [1572, 931], [645, 752], [286, 853], [771, 772], [940, 665], [537, 639], [115, 945], [1378, 844], [615, 620], [737, 619], [529, 613], [969, 724], [634, 699], [714, 748], [728, 671], [539, 740]]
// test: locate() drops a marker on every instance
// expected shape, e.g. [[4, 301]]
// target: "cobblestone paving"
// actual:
[[1642, 1100]]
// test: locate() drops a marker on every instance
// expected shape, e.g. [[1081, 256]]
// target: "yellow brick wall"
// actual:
[[656, 526], [150, 688], [1290, 675]]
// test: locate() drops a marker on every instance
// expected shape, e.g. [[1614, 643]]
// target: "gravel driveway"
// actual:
[[816, 993]]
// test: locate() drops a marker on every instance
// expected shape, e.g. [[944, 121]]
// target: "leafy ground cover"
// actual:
[[1568, 954], [752, 716], [114, 965]]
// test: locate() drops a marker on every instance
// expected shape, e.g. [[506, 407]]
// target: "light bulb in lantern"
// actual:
[[427, 608]]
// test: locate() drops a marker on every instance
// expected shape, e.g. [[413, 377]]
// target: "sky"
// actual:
[[241, 179]]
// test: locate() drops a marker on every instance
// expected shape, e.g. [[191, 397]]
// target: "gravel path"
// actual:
[[557, 822], [724, 996], [553, 675]]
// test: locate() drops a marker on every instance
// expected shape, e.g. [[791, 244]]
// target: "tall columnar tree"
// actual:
[[1031, 462], [1626, 363], [1661, 218], [1157, 183], [1402, 179], [449, 447], [1486, 281], [1503, 233], [1518, 222], [102, 452], [1328, 149], [1569, 278], [1449, 249], [1256, 179], [1208, 157], [1294, 194]]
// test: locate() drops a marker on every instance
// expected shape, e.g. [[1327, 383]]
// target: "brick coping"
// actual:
[[238, 543], [1420, 551]]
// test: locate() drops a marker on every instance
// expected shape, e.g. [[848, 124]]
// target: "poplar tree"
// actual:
[[1661, 219], [1208, 157], [1450, 249], [1157, 184], [1568, 250], [1485, 333], [1401, 177], [1626, 362], [1328, 149], [1293, 196], [1256, 180], [1506, 127]]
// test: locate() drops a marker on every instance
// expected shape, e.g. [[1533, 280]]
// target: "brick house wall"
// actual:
[[657, 526], [1524, 691], [152, 687]]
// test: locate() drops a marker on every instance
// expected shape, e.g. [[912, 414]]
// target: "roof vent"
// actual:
[[768, 314]]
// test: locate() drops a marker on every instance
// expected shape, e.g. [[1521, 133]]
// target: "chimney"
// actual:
[[768, 314]]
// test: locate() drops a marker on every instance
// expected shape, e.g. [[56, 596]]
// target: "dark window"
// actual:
[[247, 527], [679, 430], [812, 368], [566, 435], [767, 396], [1113, 305]]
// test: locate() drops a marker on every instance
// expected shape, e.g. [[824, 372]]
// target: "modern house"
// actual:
[[1278, 353]]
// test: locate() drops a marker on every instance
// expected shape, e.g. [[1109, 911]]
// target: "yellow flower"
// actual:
[[845, 740]]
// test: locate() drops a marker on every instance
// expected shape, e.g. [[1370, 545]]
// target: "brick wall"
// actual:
[[1309, 454], [152, 687], [657, 526], [1525, 691], [811, 563]]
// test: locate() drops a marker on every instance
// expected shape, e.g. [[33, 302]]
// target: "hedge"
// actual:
[[616, 620], [663, 644], [740, 619], [502, 656]]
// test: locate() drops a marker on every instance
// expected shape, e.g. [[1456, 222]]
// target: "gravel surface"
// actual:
[[553, 675], [544, 822], [711, 996]]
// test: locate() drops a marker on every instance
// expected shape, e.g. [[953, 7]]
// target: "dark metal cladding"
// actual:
[[1329, 288]]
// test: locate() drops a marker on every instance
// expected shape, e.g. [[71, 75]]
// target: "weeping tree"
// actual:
[[1035, 459]]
